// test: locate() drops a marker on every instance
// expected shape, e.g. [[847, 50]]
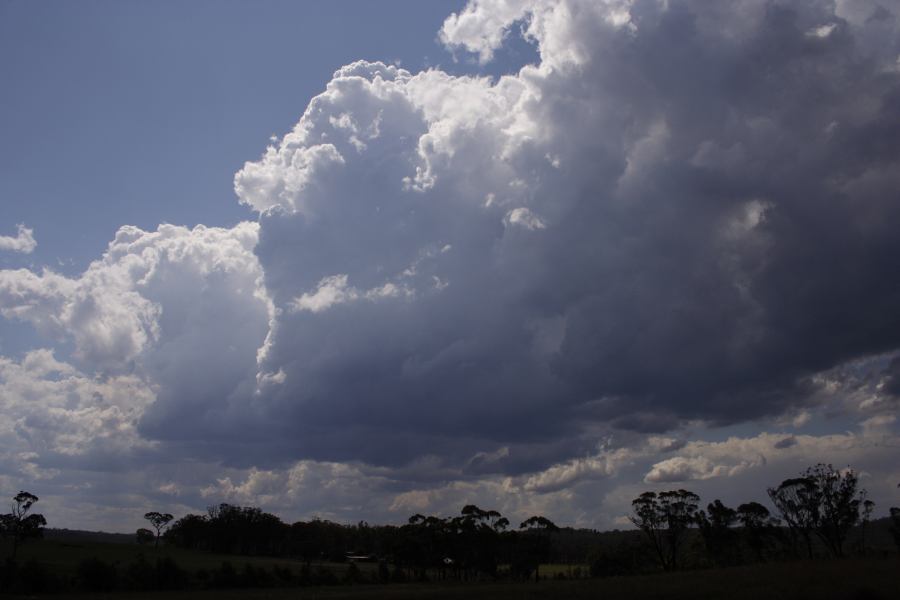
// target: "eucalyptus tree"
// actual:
[[760, 527], [535, 543], [822, 501], [719, 537], [18, 524], [796, 499], [665, 519], [840, 504], [159, 521]]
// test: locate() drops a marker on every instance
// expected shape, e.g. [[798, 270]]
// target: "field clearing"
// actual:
[[63, 557], [855, 579]]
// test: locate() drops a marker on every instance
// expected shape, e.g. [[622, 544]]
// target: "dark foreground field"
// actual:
[[872, 579]]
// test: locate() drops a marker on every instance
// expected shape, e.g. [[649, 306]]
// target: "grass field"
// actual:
[[63, 557], [852, 579], [876, 579]]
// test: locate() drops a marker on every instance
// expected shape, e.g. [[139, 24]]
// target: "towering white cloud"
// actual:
[[611, 235], [148, 288]]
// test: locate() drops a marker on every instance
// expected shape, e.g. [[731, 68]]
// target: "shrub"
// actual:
[[169, 576], [398, 576], [140, 575], [225, 576], [35, 578], [384, 573], [353, 574], [283, 575], [144, 536], [324, 576], [252, 576], [95, 575], [305, 575]]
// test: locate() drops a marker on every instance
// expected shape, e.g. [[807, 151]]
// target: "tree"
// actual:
[[190, 531], [144, 536], [868, 507], [760, 528], [840, 501], [536, 544], [823, 501], [479, 533], [895, 523], [665, 519], [159, 521], [717, 532], [796, 500], [18, 524], [649, 519]]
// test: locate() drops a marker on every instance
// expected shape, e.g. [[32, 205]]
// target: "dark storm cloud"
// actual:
[[685, 212], [892, 381], [679, 215], [786, 443]]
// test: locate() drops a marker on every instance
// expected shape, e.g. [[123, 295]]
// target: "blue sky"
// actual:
[[141, 113], [365, 259]]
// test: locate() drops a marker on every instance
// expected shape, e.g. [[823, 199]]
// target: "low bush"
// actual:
[[95, 575]]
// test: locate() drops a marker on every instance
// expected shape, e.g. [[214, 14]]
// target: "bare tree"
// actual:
[[159, 521]]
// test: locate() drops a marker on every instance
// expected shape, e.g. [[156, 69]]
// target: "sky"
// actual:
[[357, 260]]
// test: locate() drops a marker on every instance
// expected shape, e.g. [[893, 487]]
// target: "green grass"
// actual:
[[875, 579], [851, 579], [551, 570], [63, 557]]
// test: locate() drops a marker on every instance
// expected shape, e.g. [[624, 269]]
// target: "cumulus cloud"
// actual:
[[23, 241], [682, 468], [56, 417], [182, 309], [701, 460], [625, 243], [146, 282], [561, 476]]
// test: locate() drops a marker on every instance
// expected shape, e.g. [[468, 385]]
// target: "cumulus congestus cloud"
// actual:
[[679, 215]]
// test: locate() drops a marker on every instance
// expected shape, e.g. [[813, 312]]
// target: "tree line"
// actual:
[[815, 513], [818, 509], [822, 512], [471, 545]]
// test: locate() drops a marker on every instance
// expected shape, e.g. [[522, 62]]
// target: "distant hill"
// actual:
[[75, 536], [569, 541]]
